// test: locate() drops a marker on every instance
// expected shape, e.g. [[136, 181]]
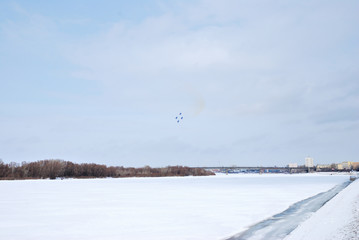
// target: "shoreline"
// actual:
[[338, 219], [282, 224]]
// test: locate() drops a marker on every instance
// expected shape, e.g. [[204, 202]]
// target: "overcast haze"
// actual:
[[257, 82]]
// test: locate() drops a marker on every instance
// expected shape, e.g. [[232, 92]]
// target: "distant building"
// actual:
[[347, 165], [323, 166], [355, 166], [340, 166], [309, 162], [293, 165]]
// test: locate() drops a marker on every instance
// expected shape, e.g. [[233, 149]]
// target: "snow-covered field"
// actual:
[[212, 207]]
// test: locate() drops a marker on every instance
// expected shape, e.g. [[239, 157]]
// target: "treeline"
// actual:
[[55, 168]]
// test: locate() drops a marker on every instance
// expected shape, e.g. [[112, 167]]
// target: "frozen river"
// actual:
[[214, 207]]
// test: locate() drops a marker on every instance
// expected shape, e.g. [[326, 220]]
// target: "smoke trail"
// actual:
[[198, 103]]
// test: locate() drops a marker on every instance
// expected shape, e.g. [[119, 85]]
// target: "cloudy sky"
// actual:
[[259, 83]]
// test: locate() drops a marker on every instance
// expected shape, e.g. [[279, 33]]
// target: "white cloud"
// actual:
[[238, 69]]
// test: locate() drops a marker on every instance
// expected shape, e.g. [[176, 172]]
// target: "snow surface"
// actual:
[[280, 225], [336, 220], [214, 207]]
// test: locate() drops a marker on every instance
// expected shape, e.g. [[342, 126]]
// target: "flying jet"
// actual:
[[179, 118]]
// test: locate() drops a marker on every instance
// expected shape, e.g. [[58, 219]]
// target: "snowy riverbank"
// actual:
[[336, 220]]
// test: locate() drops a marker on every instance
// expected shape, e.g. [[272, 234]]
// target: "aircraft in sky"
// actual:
[[179, 118]]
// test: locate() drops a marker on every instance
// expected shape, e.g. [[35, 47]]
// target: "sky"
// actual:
[[258, 83]]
